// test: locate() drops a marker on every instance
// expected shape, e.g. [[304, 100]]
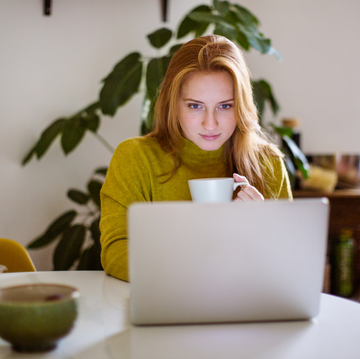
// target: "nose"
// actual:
[[210, 122]]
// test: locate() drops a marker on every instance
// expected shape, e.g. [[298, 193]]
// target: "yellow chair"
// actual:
[[15, 257]]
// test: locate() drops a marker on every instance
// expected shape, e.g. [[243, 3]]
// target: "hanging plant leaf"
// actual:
[[49, 135], [29, 155], [262, 92], [147, 115], [282, 131], [225, 30], [73, 133], [174, 48], [47, 138], [246, 17], [221, 6], [121, 84], [95, 232], [242, 40], [92, 122], [160, 37], [155, 73], [260, 44], [188, 25], [299, 158], [68, 249], [84, 260], [92, 108], [290, 168], [96, 251], [90, 260], [94, 188], [101, 171], [78, 196], [58, 226], [207, 17]]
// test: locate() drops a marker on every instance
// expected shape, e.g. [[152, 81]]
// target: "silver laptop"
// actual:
[[232, 262]]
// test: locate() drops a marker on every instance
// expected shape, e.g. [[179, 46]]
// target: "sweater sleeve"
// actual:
[[125, 183]]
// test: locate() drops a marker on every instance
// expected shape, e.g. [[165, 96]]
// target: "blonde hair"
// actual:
[[248, 150]]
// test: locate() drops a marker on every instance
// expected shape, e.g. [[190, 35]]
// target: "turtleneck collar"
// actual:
[[191, 151]]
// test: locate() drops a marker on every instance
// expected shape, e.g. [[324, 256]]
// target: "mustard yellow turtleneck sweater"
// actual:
[[133, 176]]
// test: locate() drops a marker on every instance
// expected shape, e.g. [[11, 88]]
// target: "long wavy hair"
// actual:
[[248, 151]]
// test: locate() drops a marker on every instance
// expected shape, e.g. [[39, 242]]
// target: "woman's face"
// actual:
[[206, 109]]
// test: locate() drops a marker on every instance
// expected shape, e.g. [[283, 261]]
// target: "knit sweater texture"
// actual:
[[135, 175]]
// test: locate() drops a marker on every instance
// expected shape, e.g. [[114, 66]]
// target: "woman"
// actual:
[[206, 125]]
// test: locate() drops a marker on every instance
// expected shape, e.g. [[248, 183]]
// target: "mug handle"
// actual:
[[237, 184]]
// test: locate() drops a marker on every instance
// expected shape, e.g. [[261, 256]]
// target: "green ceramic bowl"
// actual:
[[34, 317]]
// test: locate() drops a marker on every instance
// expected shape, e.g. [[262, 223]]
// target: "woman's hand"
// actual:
[[247, 192]]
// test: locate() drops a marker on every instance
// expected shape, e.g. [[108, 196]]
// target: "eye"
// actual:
[[225, 106], [194, 106]]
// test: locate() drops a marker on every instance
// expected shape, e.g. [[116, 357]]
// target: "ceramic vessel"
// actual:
[[34, 317]]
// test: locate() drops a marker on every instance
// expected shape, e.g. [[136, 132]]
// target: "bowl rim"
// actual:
[[74, 293]]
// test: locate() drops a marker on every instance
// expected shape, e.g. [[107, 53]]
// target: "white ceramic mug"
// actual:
[[213, 190]]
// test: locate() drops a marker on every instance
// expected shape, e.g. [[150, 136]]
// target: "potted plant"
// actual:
[[77, 233]]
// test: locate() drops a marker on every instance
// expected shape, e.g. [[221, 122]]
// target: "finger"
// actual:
[[243, 196], [238, 178], [253, 193]]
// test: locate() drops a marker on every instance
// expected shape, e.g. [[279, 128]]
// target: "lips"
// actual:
[[210, 137]]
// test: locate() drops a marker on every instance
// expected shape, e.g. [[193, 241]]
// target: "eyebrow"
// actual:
[[193, 100]]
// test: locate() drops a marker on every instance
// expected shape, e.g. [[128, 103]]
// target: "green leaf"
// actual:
[[225, 30], [188, 25], [147, 115], [101, 171], [90, 260], [208, 18], [73, 132], [92, 122], [68, 249], [160, 37], [282, 131], [84, 260], [58, 226], [246, 17], [78, 196], [221, 6], [95, 232], [299, 158], [46, 139], [92, 107], [155, 73], [49, 135], [121, 84], [290, 168], [242, 41], [262, 92], [94, 188], [174, 48], [260, 44], [29, 155]]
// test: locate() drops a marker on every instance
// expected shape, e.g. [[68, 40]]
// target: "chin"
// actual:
[[211, 146]]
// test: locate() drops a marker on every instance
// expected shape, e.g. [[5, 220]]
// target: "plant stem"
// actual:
[[104, 142]]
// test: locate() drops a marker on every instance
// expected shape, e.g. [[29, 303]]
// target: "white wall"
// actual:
[[52, 67]]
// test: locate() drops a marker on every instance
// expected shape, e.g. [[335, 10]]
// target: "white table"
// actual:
[[103, 329]]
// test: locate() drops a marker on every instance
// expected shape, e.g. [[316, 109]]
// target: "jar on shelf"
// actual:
[[294, 124], [343, 264]]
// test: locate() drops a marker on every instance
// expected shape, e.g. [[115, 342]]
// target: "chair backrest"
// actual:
[[15, 257]]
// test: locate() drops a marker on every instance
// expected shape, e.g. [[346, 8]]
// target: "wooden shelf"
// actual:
[[342, 193], [344, 213]]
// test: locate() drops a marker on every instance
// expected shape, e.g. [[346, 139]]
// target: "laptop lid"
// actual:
[[232, 262]]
